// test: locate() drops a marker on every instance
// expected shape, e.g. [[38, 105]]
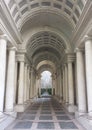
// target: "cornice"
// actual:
[[84, 20], [71, 57], [8, 23]]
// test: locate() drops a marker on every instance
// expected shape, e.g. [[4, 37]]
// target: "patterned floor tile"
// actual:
[[59, 112], [45, 125], [45, 118], [45, 112], [67, 125], [31, 112], [28, 117], [63, 118], [23, 125]]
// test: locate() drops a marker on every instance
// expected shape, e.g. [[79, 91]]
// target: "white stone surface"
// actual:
[[88, 56], [3, 45], [70, 83], [25, 84], [8, 119], [82, 104], [10, 81], [21, 84], [16, 82], [66, 83]]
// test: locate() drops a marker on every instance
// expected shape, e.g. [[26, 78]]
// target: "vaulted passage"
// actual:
[[38, 36], [45, 113]]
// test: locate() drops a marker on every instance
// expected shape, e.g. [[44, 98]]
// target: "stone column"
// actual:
[[63, 85], [25, 84], [71, 107], [40, 86], [88, 56], [60, 92], [9, 106], [21, 84], [58, 86], [34, 85], [15, 87], [55, 86], [31, 93], [70, 83], [28, 83], [81, 83], [37, 81], [66, 84], [52, 85], [3, 46]]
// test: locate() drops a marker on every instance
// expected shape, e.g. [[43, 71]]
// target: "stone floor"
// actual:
[[45, 114]]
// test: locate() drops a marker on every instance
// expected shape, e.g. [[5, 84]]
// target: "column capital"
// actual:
[[86, 38], [12, 49], [71, 57], [20, 57], [4, 36], [78, 50]]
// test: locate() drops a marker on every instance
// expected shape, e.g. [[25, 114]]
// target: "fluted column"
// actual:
[[21, 84], [25, 84], [3, 46], [81, 83], [70, 83], [52, 85], [15, 87], [31, 93], [63, 84], [36, 86], [40, 86], [88, 58], [66, 84], [60, 81], [10, 81], [28, 83]]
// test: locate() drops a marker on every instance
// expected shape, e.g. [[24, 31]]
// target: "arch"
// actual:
[[49, 30], [46, 62]]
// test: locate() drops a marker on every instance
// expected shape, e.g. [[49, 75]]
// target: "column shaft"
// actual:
[[70, 83], [25, 84], [66, 83], [31, 84], [21, 84], [15, 87], [81, 83], [88, 56], [10, 81], [3, 45], [63, 85]]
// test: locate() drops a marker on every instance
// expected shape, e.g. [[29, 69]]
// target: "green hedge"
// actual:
[[43, 90]]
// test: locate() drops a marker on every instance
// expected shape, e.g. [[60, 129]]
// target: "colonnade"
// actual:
[[17, 79], [84, 77], [19, 83], [77, 70]]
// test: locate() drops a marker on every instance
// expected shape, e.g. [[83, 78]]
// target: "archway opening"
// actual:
[[46, 83]]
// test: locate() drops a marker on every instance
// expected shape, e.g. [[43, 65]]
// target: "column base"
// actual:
[[2, 116], [22, 107], [71, 108], [60, 100], [6, 119], [78, 114], [86, 121]]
